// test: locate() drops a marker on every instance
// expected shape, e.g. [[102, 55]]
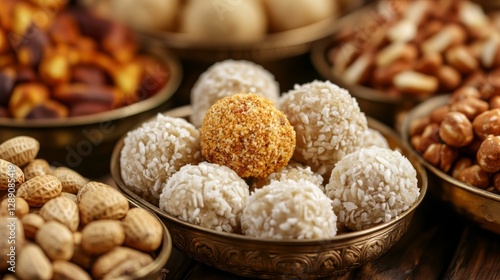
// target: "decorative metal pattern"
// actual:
[[324, 258]]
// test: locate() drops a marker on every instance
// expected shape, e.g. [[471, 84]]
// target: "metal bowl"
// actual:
[[477, 205], [85, 143], [375, 103], [154, 270], [274, 259], [272, 47]]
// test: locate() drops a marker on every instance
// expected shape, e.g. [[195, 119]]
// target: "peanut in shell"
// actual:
[[39, 190], [102, 203], [10, 171], [19, 150], [63, 210]]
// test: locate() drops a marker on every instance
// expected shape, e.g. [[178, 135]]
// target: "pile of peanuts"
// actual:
[[418, 48], [59, 225], [56, 62], [462, 137]]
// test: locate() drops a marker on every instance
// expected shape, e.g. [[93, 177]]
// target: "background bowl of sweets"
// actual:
[[278, 259], [456, 173], [392, 55], [209, 31], [77, 81]]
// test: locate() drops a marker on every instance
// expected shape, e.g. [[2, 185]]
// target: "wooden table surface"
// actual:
[[439, 244]]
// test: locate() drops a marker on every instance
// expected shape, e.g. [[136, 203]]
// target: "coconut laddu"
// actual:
[[247, 133]]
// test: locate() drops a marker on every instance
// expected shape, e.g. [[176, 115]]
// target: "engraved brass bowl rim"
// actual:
[[153, 270], [388, 233], [162, 56], [421, 110]]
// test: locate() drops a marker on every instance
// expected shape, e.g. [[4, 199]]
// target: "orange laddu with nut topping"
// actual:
[[247, 133]]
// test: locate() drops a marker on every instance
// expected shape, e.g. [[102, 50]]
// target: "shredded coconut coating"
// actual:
[[248, 134], [373, 137], [289, 210], [328, 122], [230, 77], [154, 151], [372, 186], [208, 195], [293, 171]]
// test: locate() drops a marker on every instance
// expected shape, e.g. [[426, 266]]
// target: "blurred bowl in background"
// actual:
[[375, 103], [270, 46], [475, 204], [390, 56], [85, 143], [278, 259]]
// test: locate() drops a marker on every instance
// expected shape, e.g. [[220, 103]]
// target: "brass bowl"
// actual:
[[375, 103], [154, 270], [477, 205], [274, 259], [272, 47], [85, 143]]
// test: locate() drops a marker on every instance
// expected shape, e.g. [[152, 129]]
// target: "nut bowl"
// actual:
[[85, 143], [385, 54], [375, 103], [274, 259], [475, 204]]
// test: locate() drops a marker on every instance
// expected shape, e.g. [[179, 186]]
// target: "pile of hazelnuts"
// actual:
[[462, 137]]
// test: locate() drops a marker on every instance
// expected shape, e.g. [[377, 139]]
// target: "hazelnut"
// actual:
[[460, 164], [470, 107], [417, 126], [475, 176], [472, 148], [448, 156], [429, 136], [488, 155], [496, 182], [440, 155], [464, 92], [475, 79], [495, 102], [437, 115], [487, 123], [456, 130], [432, 154]]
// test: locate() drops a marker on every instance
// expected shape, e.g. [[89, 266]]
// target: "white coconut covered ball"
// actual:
[[372, 186], [293, 171], [208, 195], [227, 78], [224, 20], [374, 137], [328, 123], [156, 150], [289, 210]]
